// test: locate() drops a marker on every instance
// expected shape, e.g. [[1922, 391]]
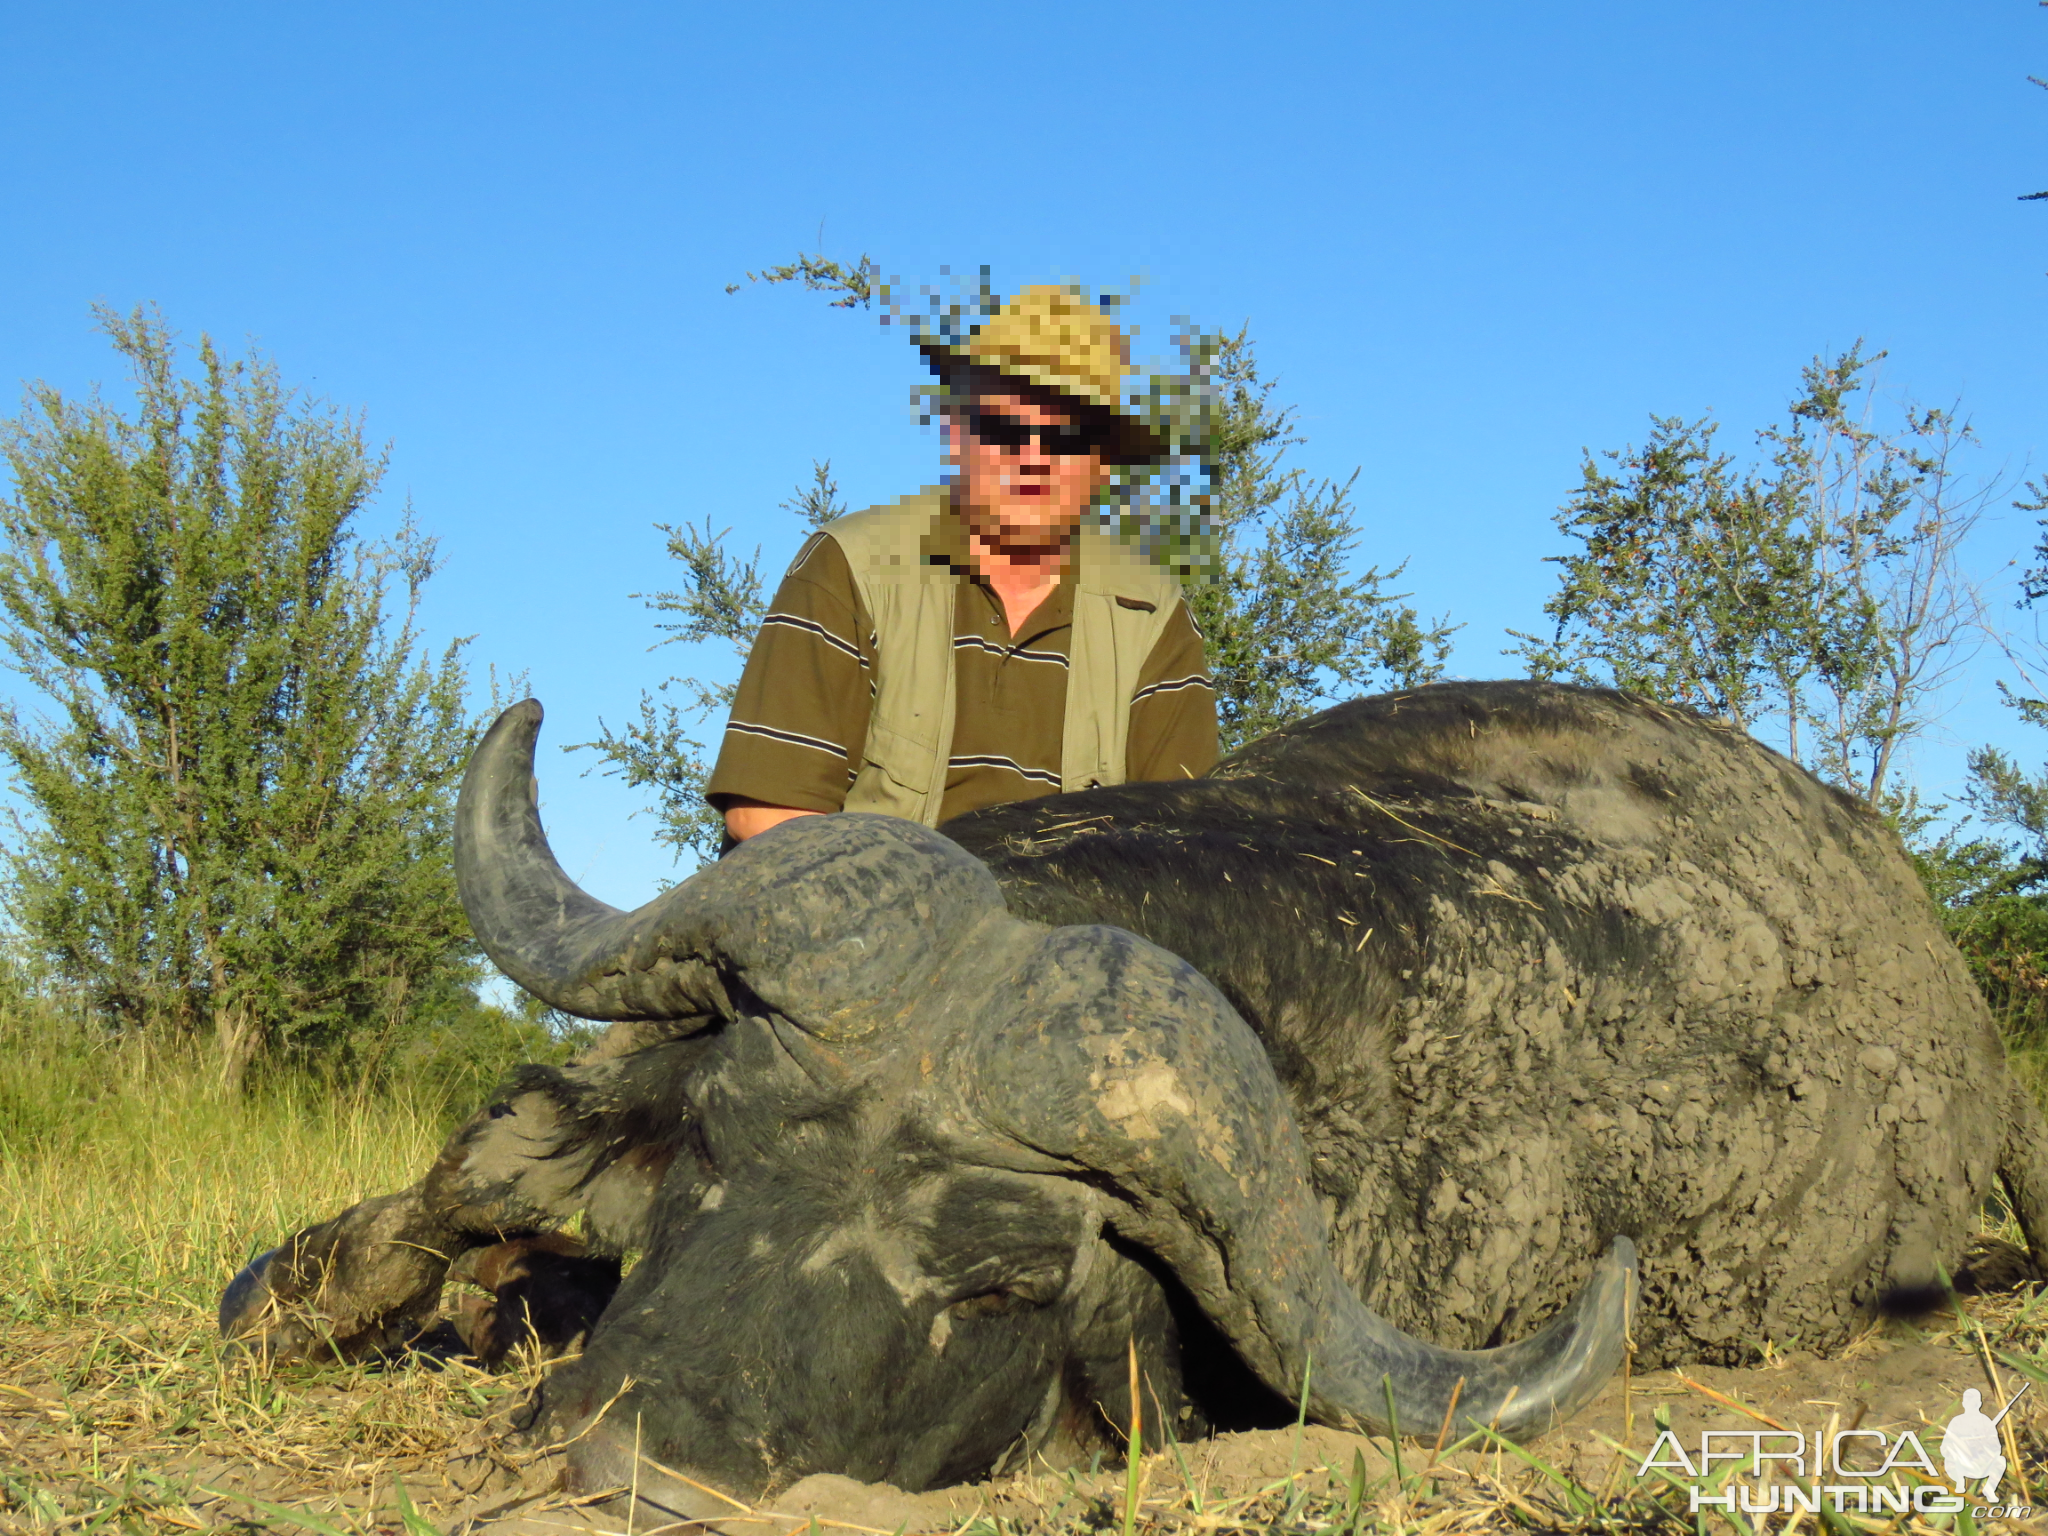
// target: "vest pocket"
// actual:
[[899, 776]]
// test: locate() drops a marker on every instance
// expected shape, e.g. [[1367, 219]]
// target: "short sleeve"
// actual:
[[1173, 710], [799, 720]]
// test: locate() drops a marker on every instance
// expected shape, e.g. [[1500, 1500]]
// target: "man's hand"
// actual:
[[746, 818]]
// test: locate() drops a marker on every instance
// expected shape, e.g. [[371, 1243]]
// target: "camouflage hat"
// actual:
[[1051, 337]]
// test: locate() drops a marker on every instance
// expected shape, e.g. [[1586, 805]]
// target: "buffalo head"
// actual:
[[940, 1168]]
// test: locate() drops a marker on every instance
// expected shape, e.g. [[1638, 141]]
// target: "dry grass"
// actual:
[[129, 1192]]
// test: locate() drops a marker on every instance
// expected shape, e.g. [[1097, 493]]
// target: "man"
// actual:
[[976, 643]]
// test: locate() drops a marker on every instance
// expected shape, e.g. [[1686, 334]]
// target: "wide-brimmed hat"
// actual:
[[1051, 337]]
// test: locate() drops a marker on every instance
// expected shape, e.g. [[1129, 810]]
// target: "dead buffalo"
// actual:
[[1397, 1027]]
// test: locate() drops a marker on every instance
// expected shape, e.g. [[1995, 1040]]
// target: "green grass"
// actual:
[[127, 1178]]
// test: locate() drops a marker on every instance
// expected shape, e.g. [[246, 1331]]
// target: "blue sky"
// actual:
[[1470, 240]]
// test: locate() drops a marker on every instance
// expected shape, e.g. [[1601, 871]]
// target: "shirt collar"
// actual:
[[947, 544]]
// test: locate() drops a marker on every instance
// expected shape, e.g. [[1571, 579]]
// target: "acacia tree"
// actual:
[[1818, 590], [1266, 553], [1990, 881], [1893, 510], [721, 598], [1288, 626], [240, 800], [1689, 582]]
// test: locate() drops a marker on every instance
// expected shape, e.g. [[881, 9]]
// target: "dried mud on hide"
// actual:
[[147, 1428]]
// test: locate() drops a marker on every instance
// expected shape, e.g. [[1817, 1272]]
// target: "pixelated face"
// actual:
[[1027, 468]]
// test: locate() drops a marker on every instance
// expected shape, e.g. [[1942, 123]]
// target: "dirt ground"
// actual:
[[148, 1428]]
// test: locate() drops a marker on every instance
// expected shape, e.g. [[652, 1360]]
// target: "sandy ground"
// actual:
[[144, 1429]]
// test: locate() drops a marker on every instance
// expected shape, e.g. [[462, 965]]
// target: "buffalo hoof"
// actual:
[[253, 1319], [261, 1315], [354, 1288], [244, 1296]]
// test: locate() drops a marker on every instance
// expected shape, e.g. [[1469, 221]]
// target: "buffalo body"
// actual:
[[1340, 1068]]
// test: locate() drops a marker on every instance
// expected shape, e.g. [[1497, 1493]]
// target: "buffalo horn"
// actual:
[[833, 921], [1130, 1067]]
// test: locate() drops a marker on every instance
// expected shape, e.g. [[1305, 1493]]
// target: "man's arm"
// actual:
[[800, 716], [746, 818], [1173, 709]]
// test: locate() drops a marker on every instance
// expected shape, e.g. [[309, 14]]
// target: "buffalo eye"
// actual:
[[989, 1304], [1005, 1300]]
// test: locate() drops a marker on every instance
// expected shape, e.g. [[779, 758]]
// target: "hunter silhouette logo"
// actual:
[[1869, 1471], [1969, 1446]]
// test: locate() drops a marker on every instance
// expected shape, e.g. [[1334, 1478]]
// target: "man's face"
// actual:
[[1022, 493]]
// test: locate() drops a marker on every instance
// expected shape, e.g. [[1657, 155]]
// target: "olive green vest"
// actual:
[[910, 730]]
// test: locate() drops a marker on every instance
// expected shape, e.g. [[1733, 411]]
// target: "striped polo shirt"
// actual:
[[799, 720]]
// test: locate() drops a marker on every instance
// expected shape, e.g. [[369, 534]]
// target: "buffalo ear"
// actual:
[[837, 922]]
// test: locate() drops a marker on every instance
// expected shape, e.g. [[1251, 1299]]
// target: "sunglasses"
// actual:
[[1008, 433]]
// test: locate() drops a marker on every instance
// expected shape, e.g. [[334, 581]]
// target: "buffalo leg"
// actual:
[[552, 1142]]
